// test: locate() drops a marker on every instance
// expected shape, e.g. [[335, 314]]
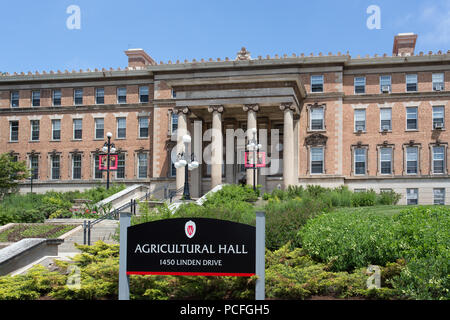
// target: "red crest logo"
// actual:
[[190, 229]]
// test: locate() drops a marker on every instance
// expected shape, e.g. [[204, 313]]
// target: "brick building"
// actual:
[[377, 122]]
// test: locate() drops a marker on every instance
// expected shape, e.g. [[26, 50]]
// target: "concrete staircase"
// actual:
[[104, 230]]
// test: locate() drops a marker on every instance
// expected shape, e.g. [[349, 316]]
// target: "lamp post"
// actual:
[[108, 148], [189, 163], [254, 146]]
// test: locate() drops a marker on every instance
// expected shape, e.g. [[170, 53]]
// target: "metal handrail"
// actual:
[[87, 226]]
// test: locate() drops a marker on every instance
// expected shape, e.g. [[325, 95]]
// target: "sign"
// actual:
[[103, 162], [191, 246], [260, 159]]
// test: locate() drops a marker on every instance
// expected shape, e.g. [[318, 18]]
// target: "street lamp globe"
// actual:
[[187, 138], [109, 134], [105, 149]]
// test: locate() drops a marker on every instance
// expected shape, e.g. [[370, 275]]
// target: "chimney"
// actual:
[[404, 44], [138, 58]]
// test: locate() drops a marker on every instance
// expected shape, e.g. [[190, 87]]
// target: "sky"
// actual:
[[44, 35]]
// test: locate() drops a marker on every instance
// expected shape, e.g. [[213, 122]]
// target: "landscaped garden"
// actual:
[[319, 243], [34, 230]]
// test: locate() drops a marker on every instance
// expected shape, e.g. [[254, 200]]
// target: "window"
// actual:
[[56, 129], [385, 84], [56, 97], [317, 118], [34, 130], [14, 99], [55, 162], [412, 160], [173, 123], [36, 98], [412, 196], [142, 165], [99, 128], [121, 95], [386, 119], [78, 96], [438, 159], [386, 160], [77, 129], [98, 174], [34, 166], [173, 170], [143, 94], [14, 131], [411, 118], [439, 196], [360, 161], [76, 166], [317, 160], [143, 127], [99, 96], [121, 128], [120, 173], [438, 81], [438, 117], [411, 82], [360, 85], [360, 120], [317, 83]]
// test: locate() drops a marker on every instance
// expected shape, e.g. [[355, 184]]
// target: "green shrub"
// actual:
[[388, 198], [420, 236], [364, 199], [284, 218]]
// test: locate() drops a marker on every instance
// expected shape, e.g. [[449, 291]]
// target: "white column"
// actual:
[[196, 177], [251, 110], [181, 131], [229, 154], [288, 145], [217, 145]]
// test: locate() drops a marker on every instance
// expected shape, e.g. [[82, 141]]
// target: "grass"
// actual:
[[22, 231], [382, 210]]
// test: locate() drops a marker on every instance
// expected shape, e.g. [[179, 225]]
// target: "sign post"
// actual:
[[124, 285], [260, 293], [192, 247]]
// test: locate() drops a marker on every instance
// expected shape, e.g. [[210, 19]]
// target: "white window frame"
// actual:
[[96, 128], [53, 129], [53, 97], [74, 129], [311, 159], [11, 99], [415, 194], [32, 98], [417, 152], [124, 165], [359, 85], [118, 95], [10, 130], [118, 120], [317, 78], [433, 116], [38, 129], [433, 159], [52, 158], [389, 112], [414, 81], [354, 161], [439, 82], [138, 173], [416, 118], [98, 96], [441, 198], [140, 94], [362, 111], [139, 127], [73, 166], [311, 118], [75, 91], [384, 81], [31, 157], [391, 160]]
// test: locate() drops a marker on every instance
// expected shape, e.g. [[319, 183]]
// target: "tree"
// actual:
[[11, 172]]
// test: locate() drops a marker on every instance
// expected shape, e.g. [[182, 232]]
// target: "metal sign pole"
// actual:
[[124, 285], [260, 255]]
